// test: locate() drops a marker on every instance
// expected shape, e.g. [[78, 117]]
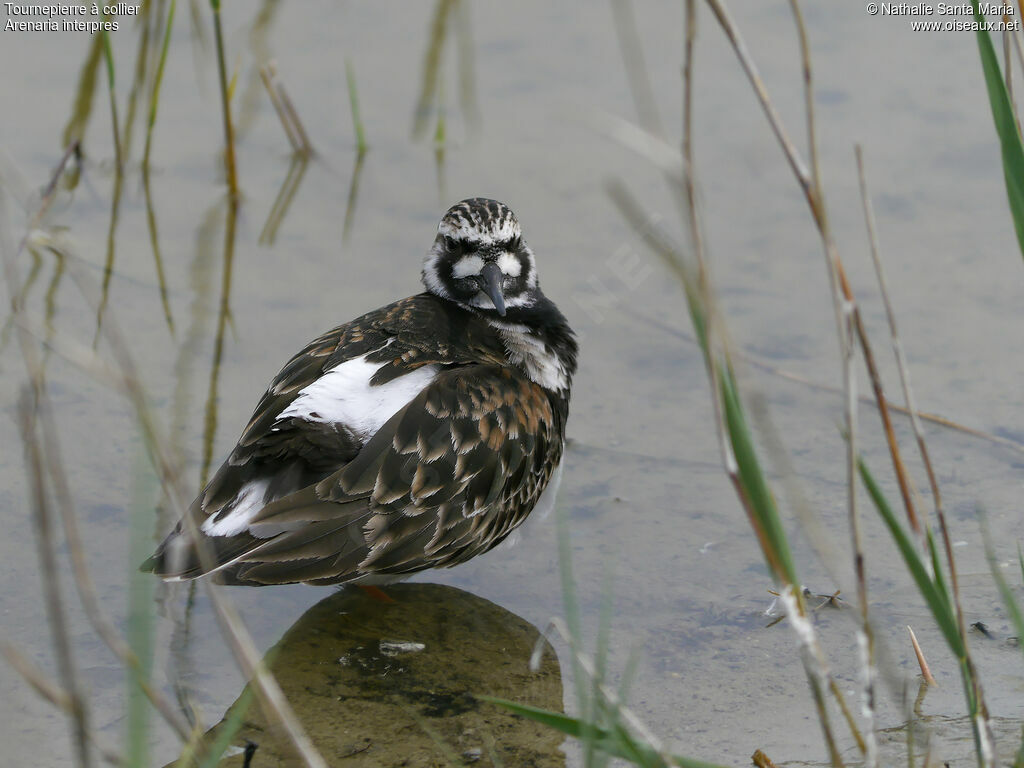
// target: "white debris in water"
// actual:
[[395, 647]]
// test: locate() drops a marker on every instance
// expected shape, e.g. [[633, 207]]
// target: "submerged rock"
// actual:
[[396, 684]]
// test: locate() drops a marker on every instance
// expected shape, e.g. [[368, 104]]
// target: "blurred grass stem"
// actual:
[[225, 100]]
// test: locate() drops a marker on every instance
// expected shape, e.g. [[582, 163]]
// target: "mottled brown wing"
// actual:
[[445, 479], [417, 331]]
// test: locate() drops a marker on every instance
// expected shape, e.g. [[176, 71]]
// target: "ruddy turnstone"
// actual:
[[416, 436]]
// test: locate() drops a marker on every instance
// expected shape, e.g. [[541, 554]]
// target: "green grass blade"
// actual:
[[613, 742], [938, 601], [584, 701], [108, 56], [154, 97], [353, 100], [933, 552], [1006, 127], [761, 500]]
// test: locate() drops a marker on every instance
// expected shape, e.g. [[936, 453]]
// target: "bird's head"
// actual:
[[479, 259]]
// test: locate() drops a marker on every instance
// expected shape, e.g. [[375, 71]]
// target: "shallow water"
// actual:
[[648, 503]]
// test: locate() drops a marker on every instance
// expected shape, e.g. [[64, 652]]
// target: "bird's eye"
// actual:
[[450, 244]]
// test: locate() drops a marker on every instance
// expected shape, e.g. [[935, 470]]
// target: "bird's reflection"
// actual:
[[395, 683]]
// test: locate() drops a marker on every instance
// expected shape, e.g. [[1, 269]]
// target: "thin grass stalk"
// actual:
[[85, 91], [635, 66], [154, 242], [108, 265], [84, 583], [908, 394], [61, 489], [139, 620], [610, 696], [748, 480], [947, 616], [353, 197], [1004, 119], [138, 79], [431, 66], [693, 219], [52, 692], [223, 318], [306, 147], [806, 182], [268, 83], [604, 623], [353, 101], [901, 361], [170, 478], [49, 571], [585, 702], [28, 409], [230, 624], [845, 315], [108, 57], [292, 180], [225, 102], [667, 251], [158, 77]]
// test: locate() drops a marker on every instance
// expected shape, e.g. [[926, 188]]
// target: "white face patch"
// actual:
[[509, 265], [466, 266], [344, 395]]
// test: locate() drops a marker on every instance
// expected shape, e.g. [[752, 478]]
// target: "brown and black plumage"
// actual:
[[416, 436]]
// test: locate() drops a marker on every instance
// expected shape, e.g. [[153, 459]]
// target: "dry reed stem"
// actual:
[[237, 636], [268, 83], [846, 316], [49, 573], [229, 131], [42, 414], [689, 175], [814, 659], [292, 113], [83, 579], [659, 242], [53, 693], [285, 109], [908, 394], [636, 68], [170, 478], [897, 345], [926, 673], [806, 182]]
